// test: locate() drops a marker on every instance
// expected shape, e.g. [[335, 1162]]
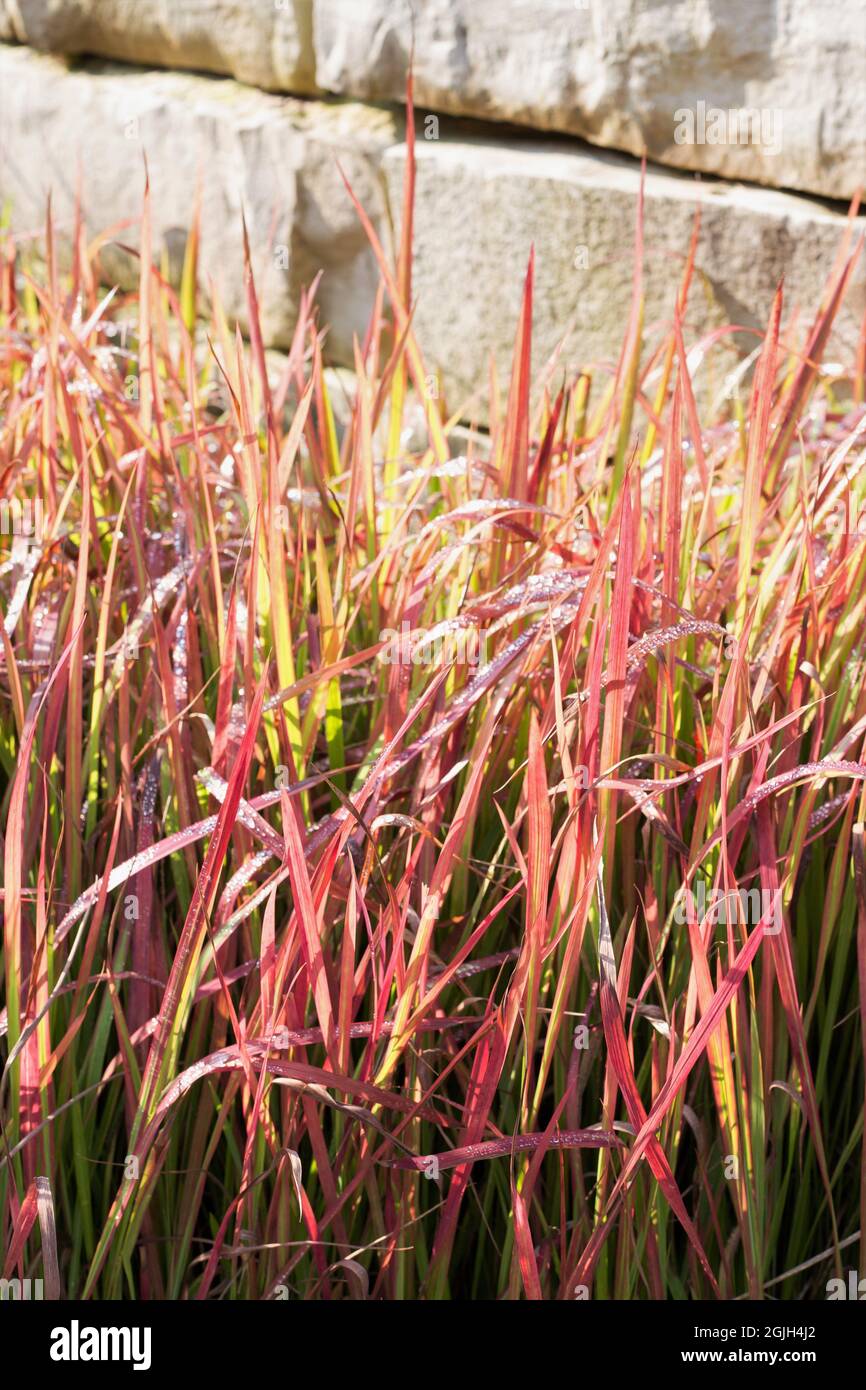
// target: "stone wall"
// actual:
[[670, 79], [275, 159], [615, 72], [263, 42]]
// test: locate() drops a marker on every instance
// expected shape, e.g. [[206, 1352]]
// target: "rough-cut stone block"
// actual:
[[626, 74], [274, 159], [480, 205], [267, 43]]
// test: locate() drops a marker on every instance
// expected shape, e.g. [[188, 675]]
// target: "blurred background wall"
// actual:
[[531, 121]]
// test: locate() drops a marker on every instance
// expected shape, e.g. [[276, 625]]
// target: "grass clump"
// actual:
[[526, 961]]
